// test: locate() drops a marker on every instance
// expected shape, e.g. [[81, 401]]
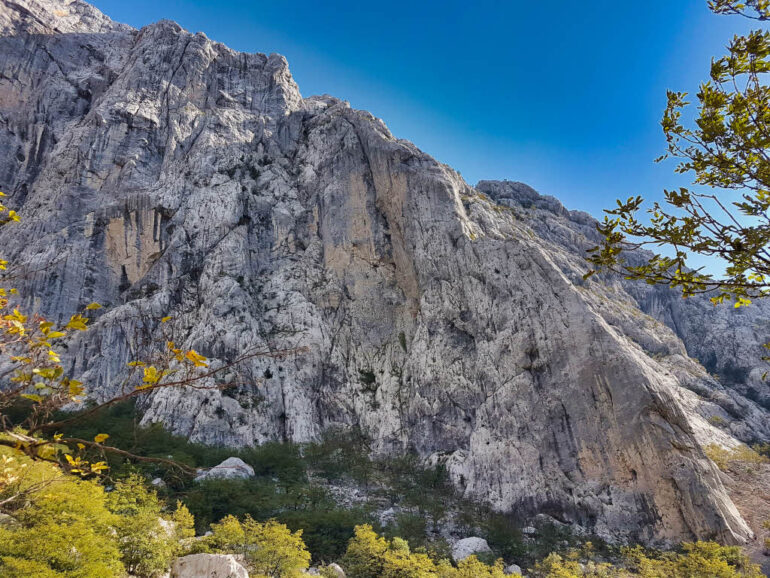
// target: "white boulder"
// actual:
[[230, 468], [469, 546], [208, 566], [513, 569], [338, 571]]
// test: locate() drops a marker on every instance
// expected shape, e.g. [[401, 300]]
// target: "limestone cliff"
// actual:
[[160, 173]]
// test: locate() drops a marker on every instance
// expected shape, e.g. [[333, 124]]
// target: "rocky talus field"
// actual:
[[160, 173]]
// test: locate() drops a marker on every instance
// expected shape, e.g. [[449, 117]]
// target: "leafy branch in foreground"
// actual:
[[726, 150], [754, 9]]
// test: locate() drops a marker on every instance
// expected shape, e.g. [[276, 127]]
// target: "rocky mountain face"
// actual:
[[160, 173]]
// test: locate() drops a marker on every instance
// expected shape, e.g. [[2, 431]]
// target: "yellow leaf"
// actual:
[[77, 322], [166, 319], [151, 375], [100, 438], [196, 359], [92, 306], [81, 446], [45, 372], [16, 316], [32, 396], [55, 334], [75, 387]]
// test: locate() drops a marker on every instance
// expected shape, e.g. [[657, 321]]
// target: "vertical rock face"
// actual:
[[160, 173]]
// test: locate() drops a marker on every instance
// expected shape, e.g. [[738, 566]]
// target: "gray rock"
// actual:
[[158, 483], [387, 517], [337, 570], [208, 566], [230, 468], [513, 569], [469, 546], [160, 173], [529, 530], [8, 522]]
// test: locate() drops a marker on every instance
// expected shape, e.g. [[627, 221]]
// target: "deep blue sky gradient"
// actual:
[[564, 95]]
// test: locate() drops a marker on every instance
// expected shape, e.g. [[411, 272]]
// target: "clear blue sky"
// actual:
[[564, 95]]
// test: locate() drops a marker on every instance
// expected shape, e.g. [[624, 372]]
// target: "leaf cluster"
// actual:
[[725, 215]]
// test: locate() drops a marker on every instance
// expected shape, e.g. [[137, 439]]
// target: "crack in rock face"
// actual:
[[160, 173]]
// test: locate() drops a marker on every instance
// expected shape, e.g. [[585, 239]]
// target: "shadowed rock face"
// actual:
[[160, 173]]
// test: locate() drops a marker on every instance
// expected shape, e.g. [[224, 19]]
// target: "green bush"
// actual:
[[64, 528], [270, 548]]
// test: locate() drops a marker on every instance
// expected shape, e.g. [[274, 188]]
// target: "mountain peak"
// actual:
[[54, 17]]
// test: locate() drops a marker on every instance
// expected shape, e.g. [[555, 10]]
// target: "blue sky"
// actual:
[[563, 95]]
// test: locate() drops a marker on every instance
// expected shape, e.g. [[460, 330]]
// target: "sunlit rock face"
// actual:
[[160, 173]]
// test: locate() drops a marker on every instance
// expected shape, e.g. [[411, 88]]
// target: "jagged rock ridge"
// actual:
[[160, 173]]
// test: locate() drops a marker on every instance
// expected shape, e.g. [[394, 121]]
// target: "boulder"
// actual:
[[513, 569], [158, 483], [230, 468], [8, 522], [338, 572], [469, 546], [208, 566]]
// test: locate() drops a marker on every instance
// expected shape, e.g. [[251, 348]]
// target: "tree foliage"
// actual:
[[755, 9], [56, 524], [371, 556], [148, 539], [270, 548], [725, 214], [695, 560], [59, 525]]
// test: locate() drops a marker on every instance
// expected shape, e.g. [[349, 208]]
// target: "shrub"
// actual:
[[724, 458], [471, 567], [148, 542], [370, 556], [696, 560], [64, 527], [364, 557], [717, 421], [270, 548]]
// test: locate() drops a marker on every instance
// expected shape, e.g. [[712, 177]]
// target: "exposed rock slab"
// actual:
[[208, 566]]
